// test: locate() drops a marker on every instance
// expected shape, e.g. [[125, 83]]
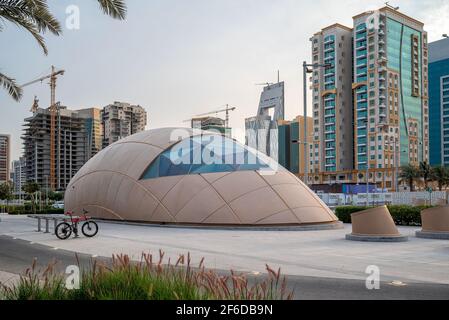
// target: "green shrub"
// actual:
[[26, 210], [344, 213], [403, 215], [150, 279]]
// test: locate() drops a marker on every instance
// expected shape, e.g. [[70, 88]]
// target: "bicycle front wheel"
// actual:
[[63, 230], [89, 229]]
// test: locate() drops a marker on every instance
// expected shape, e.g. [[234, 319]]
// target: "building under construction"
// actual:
[[211, 123], [71, 147]]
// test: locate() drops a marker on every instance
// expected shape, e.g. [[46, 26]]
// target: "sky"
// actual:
[[180, 58]]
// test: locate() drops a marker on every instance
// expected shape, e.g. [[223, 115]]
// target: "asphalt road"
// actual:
[[17, 255]]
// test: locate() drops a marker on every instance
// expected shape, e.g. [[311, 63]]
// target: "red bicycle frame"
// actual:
[[76, 220]]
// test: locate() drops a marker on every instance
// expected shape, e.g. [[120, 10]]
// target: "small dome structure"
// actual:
[[185, 176]]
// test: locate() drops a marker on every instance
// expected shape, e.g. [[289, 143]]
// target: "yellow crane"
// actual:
[[228, 109], [53, 108]]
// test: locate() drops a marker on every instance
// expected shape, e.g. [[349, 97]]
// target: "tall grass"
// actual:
[[149, 279]]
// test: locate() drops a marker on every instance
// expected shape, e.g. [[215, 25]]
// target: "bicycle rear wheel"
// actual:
[[63, 230], [89, 229]]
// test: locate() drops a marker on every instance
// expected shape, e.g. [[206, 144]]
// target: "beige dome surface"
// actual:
[[435, 219], [374, 222], [109, 186]]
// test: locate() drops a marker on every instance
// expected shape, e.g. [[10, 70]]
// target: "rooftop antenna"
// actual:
[[278, 77], [390, 6]]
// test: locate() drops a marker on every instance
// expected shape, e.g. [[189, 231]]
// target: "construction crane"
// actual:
[[53, 108], [227, 110], [267, 84]]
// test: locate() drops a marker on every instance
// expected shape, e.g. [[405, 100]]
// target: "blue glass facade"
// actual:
[[204, 154], [330, 104], [400, 59], [361, 95], [439, 112]]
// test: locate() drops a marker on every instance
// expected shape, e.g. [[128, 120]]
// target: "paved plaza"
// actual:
[[297, 253]]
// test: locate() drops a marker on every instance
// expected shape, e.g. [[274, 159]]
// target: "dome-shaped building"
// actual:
[[181, 176]]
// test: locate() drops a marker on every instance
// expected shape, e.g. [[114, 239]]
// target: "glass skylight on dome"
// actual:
[[204, 154]]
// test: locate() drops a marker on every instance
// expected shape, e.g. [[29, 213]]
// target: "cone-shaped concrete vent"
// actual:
[[435, 219], [374, 225], [376, 221], [435, 223]]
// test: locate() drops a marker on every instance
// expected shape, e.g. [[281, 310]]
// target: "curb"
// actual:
[[432, 235], [313, 227], [399, 238]]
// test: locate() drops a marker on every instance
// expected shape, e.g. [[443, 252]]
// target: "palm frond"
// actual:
[[114, 8], [11, 86], [32, 15]]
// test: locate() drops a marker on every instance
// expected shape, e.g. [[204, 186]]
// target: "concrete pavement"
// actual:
[[16, 255], [298, 253]]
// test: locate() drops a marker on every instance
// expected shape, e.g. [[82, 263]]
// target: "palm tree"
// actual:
[[409, 173], [114, 8], [425, 171], [6, 192], [441, 176], [30, 188], [35, 17]]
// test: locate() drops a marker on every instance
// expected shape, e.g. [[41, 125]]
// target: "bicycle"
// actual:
[[64, 230]]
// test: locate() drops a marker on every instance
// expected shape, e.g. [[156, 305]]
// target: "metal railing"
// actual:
[[47, 218]]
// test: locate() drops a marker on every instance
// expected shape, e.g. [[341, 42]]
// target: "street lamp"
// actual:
[[306, 70]]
